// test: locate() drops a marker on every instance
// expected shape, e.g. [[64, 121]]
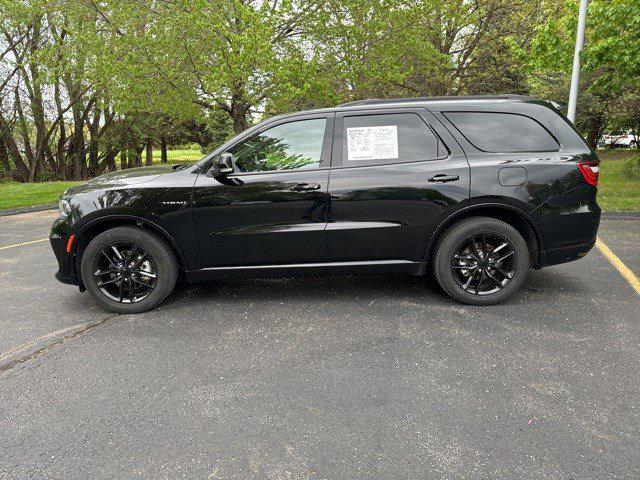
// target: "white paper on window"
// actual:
[[372, 143]]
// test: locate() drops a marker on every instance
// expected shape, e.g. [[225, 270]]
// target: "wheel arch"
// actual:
[[91, 229], [516, 217]]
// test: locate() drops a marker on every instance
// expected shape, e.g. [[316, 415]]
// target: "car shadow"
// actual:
[[296, 289], [540, 285]]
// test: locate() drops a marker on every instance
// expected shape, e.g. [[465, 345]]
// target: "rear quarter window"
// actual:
[[503, 132]]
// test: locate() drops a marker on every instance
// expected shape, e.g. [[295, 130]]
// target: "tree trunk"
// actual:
[[594, 130], [148, 158], [239, 116], [5, 166], [123, 158], [135, 156], [21, 168], [109, 161], [78, 153], [163, 149], [93, 126]]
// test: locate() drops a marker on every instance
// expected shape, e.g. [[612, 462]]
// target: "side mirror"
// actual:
[[225, 163], [222, 166]]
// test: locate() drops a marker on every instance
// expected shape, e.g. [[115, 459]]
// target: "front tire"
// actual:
[[128, 269], [481, 261]]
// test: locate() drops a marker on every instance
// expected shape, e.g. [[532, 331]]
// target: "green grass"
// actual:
[[13, 194], [616, 192], [179, 156]]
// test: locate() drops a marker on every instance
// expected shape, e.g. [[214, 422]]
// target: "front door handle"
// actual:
[[444, 178], [305, 187]]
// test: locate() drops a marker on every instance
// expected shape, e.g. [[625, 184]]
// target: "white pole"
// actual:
[[575, 73]]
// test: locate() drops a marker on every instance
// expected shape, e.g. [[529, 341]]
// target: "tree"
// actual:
[[610, 58]]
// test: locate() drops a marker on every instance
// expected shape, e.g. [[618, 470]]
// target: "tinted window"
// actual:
[[397, 137], [283, 147], [503, 132]]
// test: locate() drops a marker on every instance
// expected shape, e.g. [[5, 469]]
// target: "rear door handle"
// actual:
[[304, 187], [444, 178]]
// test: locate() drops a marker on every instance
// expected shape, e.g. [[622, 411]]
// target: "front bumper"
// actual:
[[58, 238]]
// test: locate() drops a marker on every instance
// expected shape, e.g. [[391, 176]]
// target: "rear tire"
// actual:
[[467, 268], [128, 269]]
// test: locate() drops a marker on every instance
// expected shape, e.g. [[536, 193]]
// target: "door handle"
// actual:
[[444, 178], [305, 187]]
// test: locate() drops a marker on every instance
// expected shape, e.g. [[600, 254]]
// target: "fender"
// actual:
[[466, 210], [139, 219]]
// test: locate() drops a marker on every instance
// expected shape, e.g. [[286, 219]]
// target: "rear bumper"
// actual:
[[569, 237], [565, 254]]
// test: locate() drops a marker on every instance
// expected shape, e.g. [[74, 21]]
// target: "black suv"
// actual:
[[478, 189]]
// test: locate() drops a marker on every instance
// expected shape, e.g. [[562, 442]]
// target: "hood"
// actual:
[[130, 176]]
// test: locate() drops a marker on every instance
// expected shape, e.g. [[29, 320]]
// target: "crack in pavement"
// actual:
[[44, 343]]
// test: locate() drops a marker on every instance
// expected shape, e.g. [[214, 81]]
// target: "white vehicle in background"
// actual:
[[620, 139]]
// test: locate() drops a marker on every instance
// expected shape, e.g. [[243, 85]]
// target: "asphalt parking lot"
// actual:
[[327, 377]]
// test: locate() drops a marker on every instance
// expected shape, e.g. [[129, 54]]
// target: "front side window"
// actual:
[[503, 132], [388, 138], [287, 146]]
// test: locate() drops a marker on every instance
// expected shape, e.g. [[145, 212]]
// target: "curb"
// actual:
[[32, 208]]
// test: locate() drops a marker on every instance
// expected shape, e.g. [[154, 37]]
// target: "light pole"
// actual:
[[575, 73]]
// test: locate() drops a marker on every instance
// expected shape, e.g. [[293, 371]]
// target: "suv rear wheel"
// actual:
[[481, 261], [128, 269]]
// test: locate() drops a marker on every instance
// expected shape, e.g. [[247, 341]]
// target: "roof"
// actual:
[[410, 102], [425, 100]]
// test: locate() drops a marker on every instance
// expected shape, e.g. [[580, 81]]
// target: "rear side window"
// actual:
[[388, 138], [503, 132]]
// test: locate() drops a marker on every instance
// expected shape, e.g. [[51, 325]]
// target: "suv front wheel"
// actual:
[[128, 269], [481, 261]]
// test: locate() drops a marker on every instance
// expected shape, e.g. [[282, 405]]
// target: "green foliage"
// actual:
[[616, 190], [631, 168], [102, 81], [610, 59]]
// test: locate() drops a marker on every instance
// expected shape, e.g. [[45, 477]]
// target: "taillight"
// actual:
[[590, 171]]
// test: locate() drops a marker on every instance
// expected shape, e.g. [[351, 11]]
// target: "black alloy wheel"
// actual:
[[129, 269], [481, 260], [125, 272], [484, 264]]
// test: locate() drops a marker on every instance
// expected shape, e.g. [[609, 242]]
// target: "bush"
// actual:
[[631, 168]]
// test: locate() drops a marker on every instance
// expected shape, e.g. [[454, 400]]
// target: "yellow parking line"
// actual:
[[24, 243], [621, 267]]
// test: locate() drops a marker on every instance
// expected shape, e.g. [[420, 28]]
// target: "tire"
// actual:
[[147, 269], [455, 251]]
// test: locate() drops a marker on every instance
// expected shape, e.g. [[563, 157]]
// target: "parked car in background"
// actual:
[[476, 189], [619, 139]]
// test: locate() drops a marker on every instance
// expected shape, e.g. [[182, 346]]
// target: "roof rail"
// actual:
[[374, 101]]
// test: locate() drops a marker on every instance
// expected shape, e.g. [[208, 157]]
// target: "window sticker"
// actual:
[[372, 143]]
